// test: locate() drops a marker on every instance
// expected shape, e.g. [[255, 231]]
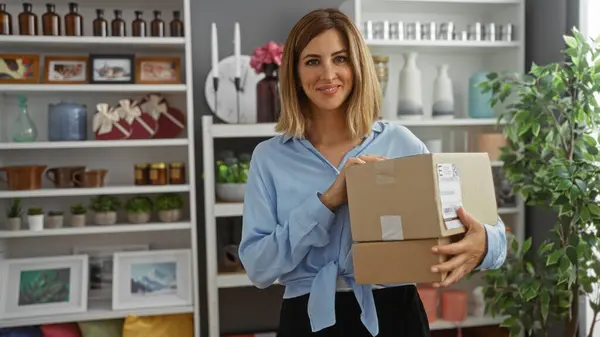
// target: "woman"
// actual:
[[296, 226]]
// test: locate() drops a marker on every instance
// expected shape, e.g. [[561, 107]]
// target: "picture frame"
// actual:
[[158, 70], [66, 69], [19, 68], [111, 69], [100, 267], [64, 286], [155, 278]]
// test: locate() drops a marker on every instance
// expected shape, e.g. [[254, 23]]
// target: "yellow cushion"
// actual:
[[181, 325]]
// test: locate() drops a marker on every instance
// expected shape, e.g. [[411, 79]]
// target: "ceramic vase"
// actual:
[[479, 102], [443, 95], [410, 98]]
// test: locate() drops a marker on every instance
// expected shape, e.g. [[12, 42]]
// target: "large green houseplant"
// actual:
[[552, 160]]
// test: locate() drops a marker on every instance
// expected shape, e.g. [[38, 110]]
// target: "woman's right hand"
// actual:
[[336, 193]]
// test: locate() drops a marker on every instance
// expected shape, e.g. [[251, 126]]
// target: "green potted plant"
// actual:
[[35, 218], [169, 207], [78, 215], [13, 215], [231, 176], [139, 209], [551, 159], [105, 209], [55, 219]]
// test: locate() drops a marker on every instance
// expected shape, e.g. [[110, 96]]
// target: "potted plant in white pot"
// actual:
[[55, 219], [13, 215], [169, 207], [139, 209], [78, 215], [35, 218], [105, 209], [232, 174]]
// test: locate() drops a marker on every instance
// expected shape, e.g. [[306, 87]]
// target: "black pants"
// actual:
[[399, 310]]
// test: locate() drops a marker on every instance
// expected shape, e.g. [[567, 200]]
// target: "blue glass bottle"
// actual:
[[23, 129], [479, 103]]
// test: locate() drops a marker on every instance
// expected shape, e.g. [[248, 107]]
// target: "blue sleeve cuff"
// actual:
[[311, 217], [496, 246]]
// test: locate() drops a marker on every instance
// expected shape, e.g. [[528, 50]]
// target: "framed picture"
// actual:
[[19, 68], [158, 70], [100, 259], [111, 69], [152, 279], [38, 286], [66, 69]]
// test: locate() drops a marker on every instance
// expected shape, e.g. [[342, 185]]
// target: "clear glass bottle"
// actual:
[[118, 25], [5, 21], [138, 26], [28, 21], [73, 21], [176, 25], [23, 129], [157, 26], [51, 21], [100, 24]]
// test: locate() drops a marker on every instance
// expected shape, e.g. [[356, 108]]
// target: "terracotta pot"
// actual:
[[454, 305], [105, 218], [137, 218], [62, 177], [54, 221], [13, 224], [78, 220], [430, 301], [169, 215], [26, 177], [89, 178]]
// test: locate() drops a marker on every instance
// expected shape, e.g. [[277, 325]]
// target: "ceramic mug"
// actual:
[[90, 178], [62, 177]]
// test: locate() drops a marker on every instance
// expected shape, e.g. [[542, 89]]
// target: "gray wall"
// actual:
[[244, 309]]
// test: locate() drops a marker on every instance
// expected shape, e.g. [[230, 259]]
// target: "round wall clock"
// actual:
[[226, 95]]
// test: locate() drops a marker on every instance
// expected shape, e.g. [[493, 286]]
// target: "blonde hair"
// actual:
[[364, 101]]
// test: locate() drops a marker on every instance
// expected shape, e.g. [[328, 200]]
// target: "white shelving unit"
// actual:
[[118, 157], [463, 57]]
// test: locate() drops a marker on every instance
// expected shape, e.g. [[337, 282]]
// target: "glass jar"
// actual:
[[100, 24], [140, 174], [51, 21], [157, 26], [5, 21], [267, 95], [177, 173], [176, 25], [73, 21], [28, 21], [381, 68], [157, 174], [118, 25], [138, 26]]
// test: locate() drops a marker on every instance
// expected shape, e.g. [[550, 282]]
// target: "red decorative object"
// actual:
[[143, 126], [107, 125], [171, 121]]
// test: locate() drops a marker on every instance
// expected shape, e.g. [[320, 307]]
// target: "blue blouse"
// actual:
[[289, 236]]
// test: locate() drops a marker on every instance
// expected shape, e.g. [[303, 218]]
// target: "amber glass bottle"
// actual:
[[138, 26], [100, 24], [51, 21], [157, 26], [28, 21], [5, 21], [118, 25], [176, 25], [73, 21]]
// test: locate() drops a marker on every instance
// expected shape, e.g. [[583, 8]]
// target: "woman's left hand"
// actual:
[[468, 252]]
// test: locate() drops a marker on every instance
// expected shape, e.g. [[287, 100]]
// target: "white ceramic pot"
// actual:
[[410, 96], [443, 95], [36, 222], [137, 218], [169, 215], [105, 218], [231, 192], [54, 221], [78, 220], [13, 224]]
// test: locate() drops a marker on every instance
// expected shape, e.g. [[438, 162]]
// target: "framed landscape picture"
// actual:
[[152, 279], [66, 69], [19, 68], [112, 69], [37, 286]]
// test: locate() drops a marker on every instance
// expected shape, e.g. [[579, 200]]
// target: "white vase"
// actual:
[[410, 97], [443, 95], [36, 222]]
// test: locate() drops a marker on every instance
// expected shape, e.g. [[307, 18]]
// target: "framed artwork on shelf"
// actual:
[[152, 279], [66, 69], [158, 70], [112, 69], [38, 286], [100, 259], [19, 68]]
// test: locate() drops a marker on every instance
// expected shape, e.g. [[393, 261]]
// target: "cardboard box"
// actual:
[[417, 197]]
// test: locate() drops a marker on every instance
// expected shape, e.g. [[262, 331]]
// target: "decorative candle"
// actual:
[[237, 50], [215, 51]]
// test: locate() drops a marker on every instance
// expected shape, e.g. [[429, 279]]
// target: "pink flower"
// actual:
[[270, 52]]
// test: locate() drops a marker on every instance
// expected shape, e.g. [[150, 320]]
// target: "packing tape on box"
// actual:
[[384, 172], [391, 227]]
